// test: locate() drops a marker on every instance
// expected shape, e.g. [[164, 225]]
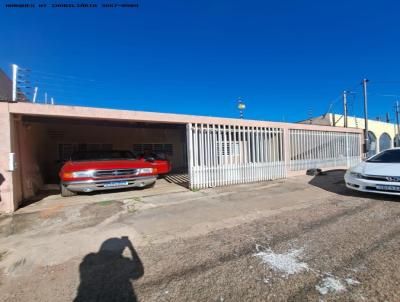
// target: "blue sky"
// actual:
[[283, 57]]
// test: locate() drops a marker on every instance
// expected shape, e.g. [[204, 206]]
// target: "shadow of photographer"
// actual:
[[107, 275]]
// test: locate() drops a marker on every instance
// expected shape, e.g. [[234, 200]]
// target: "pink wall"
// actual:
[[6, 177], [31, 140]]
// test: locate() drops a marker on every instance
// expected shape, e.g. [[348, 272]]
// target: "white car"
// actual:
[[378, 174]]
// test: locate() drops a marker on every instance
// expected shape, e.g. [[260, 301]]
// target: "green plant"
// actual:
[[105, 202]]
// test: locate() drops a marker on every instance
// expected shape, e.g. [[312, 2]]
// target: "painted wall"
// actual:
[[31, 141], [6, 177]]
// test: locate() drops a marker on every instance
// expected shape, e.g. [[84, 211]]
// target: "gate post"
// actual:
[[286, 149], [189, 150]]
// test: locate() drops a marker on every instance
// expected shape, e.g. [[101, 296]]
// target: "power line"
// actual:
[[61, 76], [340, 97]]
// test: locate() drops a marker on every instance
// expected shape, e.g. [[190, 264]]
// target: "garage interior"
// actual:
[[43, 143]]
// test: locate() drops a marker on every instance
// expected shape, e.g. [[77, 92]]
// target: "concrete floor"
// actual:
[[300, 239], [51, 198]]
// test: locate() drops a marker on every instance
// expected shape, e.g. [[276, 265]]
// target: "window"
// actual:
[[168, 149], [228, 149], [385, 142], [65, 150], [156, 148], [101, 155]]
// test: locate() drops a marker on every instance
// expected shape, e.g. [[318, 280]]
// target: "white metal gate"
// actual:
[[318, 149], [230, 154]]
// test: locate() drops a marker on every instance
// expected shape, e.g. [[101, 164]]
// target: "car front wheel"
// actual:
[[65, 192]]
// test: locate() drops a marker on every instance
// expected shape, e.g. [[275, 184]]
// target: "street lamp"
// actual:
[[241, 106]]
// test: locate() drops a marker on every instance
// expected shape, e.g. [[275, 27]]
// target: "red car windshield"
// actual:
[[102, 155]]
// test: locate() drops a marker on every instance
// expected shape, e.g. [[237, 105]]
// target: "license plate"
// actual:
[[116, 184], [388, 188]]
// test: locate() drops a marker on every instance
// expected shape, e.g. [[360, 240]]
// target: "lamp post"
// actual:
[[241, 106]]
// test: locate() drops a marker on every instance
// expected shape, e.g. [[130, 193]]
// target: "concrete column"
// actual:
[[6, 177]]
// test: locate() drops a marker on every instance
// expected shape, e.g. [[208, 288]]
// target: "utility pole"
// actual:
[[345, 108], [397, 118], [14, 82], [366, 136]]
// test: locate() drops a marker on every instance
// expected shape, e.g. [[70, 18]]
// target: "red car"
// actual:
[[89, 171], [157, 161]]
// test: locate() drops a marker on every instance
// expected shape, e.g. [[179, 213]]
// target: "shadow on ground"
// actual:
[[107, 275], [333, 181], [178, 177], [42, 194]]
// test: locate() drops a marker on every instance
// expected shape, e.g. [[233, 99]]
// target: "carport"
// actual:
[[45, 143], [42, 137]]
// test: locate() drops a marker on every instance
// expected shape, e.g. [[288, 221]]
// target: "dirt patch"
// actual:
[[92, 215], [19, 223], [52, 211], [3, 254]]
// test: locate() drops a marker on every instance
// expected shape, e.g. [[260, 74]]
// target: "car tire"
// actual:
[[65, 192], [151, 185]]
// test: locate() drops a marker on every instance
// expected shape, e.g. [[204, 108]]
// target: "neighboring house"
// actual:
[[5, 87], [382, 135]]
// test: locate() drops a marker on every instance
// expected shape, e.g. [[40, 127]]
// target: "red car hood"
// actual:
[[104, 165]]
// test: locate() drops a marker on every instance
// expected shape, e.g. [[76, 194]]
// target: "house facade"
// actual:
[[37, 138]]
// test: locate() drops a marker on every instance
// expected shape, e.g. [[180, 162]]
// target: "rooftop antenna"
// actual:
[[52, 100], [45, 97], [34, 95], [14, 82]]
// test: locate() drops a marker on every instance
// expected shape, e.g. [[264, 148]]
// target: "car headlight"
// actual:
[[356, 174], [146, 171], [79, 174]]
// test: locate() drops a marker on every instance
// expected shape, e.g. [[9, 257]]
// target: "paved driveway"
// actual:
[[301, 239]]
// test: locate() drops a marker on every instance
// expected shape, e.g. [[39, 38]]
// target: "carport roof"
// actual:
[[91, 113]]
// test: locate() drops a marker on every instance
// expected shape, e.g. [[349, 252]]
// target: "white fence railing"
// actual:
[[225, 154], [221, 155], [318, 149]]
